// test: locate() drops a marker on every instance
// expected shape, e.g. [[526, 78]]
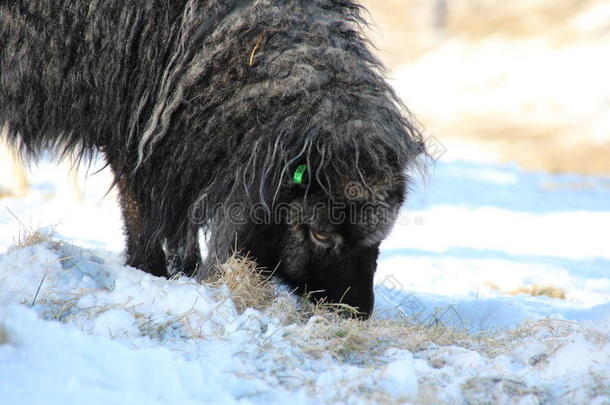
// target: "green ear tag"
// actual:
[[298, 174]]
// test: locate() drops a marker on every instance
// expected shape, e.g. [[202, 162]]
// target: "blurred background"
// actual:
[[521, 81]]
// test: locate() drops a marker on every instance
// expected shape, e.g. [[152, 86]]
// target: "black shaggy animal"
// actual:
[[266, 123]]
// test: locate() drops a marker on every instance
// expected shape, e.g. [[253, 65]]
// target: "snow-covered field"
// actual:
[[78, 327]]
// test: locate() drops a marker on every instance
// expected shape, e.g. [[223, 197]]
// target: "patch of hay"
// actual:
[[3, 336], [486, 390], [250, 286], [535, 290], [321, 328], [29, 236], [541, 290]]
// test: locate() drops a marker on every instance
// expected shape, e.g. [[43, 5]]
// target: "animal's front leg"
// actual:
[[184, 258], [143, 252]]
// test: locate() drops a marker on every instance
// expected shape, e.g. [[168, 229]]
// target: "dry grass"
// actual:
[[535, 290], [552, 147], [488, 390], [3, 336], [328, 328], [157, 329], [30, 236], [539, 290], [250, 287], [325, 328], [321, 330]]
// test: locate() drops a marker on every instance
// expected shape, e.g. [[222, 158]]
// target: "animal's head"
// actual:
[[324, 105], [323, 241], [325, 224]]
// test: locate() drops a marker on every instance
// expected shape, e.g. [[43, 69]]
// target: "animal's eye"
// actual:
[[324, 238]]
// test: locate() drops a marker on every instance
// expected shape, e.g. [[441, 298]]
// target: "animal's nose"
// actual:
[[363, 305]]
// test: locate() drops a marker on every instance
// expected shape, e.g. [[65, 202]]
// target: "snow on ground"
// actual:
[[78, 327], [477, 231]]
